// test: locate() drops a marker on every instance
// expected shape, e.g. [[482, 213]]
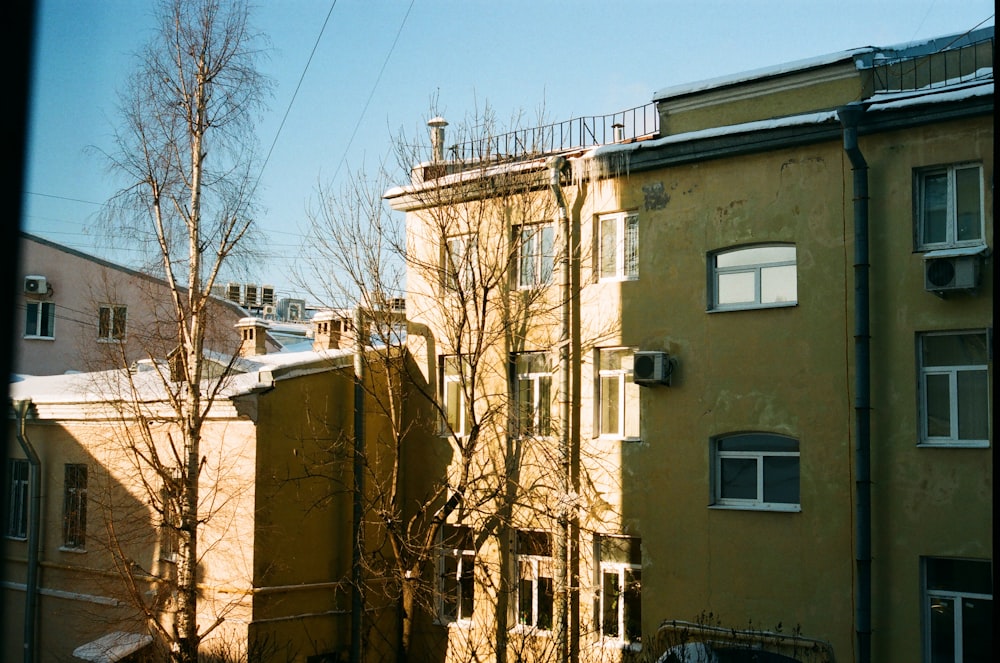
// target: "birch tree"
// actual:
[[185, 152]]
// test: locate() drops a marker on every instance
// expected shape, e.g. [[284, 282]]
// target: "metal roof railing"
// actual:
[[578, 133], [934, 70]]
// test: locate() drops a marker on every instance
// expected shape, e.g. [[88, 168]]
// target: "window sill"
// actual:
[[780, 508], [618, 645], [39, 338], [111, 340], [972, 444], [463, 624], [523, 629], [75, 551], [617, 279], [12, 537], [750, 307], [618, 438]]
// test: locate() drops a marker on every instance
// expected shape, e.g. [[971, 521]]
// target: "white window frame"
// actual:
[[18, 476], [952, 372], [951, 213], [960, 601], [533, 568], [628, 394], [627, 573], [460, 263], [535, 255], [758, 455], [456, 585], [621, 239], [112, 323], [532, 381], [760, 270], [43, 311], [75, 507], [453, 385]]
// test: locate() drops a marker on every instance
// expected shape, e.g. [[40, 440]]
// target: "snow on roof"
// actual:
[[863, 57], [897, 100], [764, 72], [106, 386], [112, 647]]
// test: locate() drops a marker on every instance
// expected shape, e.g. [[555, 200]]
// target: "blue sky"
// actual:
[[378, 64]]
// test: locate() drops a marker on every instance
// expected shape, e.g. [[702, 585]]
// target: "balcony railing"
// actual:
[[578, 133], [935, 70]]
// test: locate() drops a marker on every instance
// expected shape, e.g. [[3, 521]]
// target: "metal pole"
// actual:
[[21, 409]]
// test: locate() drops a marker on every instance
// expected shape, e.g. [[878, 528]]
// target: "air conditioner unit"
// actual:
[[651, 368], [268, 311], [36, 285], [951, 273]]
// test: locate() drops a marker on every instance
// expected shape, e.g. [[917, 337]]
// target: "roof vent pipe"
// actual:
[[437, 126], [619, 131]]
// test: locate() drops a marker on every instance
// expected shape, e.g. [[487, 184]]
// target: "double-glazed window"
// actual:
[[535, 255], [111, 323], [75, 506], [617, 394], [618, 246], [533, 395], [454, 373], [949, 206], [619, 600], [456, 573], [460, 263], [954, 388], [40, 320], [958, 610], [756, 471], [533, 557], [17, 498], [753, 277]]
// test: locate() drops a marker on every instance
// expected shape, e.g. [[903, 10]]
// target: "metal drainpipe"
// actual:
[[555, 165], [21, 409], [357, 597], [849, 116]]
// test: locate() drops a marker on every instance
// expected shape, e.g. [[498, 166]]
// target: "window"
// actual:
[[534, 579], [111, 323], [618, 246], [40, 320], [460, 263], [536, 255], [617, 395], [756, 471], [533, 395], [75, 507], [17, 498], [619, 600], [954, 389], [754, 277], [453, 400], [958, 610], [456, 569], [950, 206]]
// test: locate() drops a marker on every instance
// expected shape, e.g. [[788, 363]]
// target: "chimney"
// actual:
[[253, 337], [437, 126], [330, 331]]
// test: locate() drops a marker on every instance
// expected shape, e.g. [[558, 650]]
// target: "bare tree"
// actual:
[[185, 153], [476, 404]]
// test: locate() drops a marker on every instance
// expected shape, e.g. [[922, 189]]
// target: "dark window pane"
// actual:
[[959, 575], [935, 208], [973, 406], [954, 350], [545, 601], [977, 631], [738, 478], [967, 199], [525, 590], [758, 442], [609, 616], [938, 406], [781, 479], [633, 605], [942, 626]]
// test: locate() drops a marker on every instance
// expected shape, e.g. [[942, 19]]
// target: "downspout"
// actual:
[[562, 547], [357, 596], [850, 115], [21, 409]]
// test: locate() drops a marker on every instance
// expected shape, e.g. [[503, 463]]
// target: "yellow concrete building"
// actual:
[[721, 375]]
